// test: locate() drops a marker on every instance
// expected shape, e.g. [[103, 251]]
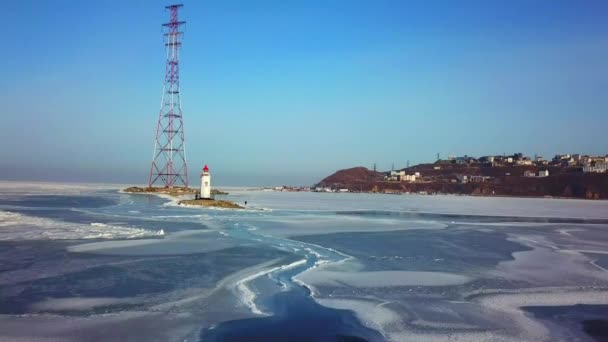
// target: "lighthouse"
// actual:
[[206, 183]]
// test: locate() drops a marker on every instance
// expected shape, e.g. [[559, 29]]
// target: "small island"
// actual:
[[205, 197], [182, 191]]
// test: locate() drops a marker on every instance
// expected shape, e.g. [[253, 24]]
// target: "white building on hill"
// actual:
[[599, 167], [401, 176]]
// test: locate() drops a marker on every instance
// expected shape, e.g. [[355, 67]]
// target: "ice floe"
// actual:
[[17, 226], [185, 242], [320, 277], [78, 303]]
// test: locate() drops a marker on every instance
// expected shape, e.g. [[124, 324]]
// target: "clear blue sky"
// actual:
[[286, 92]]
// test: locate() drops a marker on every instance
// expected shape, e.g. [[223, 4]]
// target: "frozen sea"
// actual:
[[89, 263]]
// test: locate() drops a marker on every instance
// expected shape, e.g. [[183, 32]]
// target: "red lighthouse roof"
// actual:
[[206, 168]]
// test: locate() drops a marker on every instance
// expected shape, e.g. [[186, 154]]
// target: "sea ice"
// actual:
[[16, 226], [320, 277]]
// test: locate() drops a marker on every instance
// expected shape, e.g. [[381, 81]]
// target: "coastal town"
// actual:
[[564, 175], [537, 166]]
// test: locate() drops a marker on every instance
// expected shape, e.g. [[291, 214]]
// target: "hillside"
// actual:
[[501, 181], [351, 176]]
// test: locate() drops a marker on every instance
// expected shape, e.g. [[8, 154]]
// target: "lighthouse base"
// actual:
[[198, 197], [211, 203]]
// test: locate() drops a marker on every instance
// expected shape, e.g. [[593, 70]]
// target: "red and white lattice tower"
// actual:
[[169, 166]]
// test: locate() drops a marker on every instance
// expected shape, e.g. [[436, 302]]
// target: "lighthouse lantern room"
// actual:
[[206, 183]]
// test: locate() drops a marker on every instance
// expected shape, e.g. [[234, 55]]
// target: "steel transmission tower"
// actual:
[[169, 166]]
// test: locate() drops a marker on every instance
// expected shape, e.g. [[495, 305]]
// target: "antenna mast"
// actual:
[[169, 159]]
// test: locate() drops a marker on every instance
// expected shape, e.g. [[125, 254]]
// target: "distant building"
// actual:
[[525, 161], [401, 176], [540, 161], [597, 167], [408, 178], [394, 176], [564, 160], [542, 173], [464, 160], [471, 179], [462, 178], [486, 159], [600, 159], [478, 179]]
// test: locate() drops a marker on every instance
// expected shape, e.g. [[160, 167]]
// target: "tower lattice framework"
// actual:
[[169, 166]]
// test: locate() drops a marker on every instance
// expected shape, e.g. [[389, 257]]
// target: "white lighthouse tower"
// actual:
[[206, 183]]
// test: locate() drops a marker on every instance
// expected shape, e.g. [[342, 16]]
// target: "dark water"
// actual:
[[597, 328], [592, 319], [296, 318]]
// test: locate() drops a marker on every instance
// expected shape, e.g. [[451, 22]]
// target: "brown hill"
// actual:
[[349, 177]]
